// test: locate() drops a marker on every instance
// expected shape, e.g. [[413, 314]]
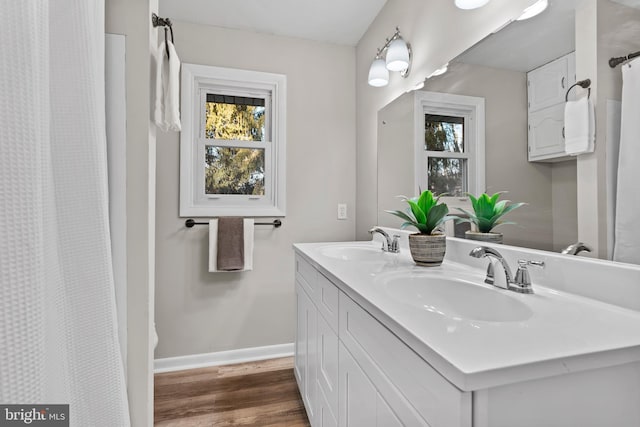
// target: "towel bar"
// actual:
[[614, 62], [191, 222]]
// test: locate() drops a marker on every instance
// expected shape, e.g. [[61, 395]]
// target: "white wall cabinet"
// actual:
[[546, 90]]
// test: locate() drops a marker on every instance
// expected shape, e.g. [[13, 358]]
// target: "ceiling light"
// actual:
[[534, 10], [398, 55], [470, 4], [395, 55], [378, 73]]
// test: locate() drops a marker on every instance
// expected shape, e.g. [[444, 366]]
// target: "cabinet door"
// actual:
[[546, 133], [385, 417], [325, 415], [306, 351], [301, 338], [548, 84], [328, 360], [357, 394], [361, 404]]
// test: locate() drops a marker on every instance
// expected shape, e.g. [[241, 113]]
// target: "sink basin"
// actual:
[[354, 253], [456, 298]]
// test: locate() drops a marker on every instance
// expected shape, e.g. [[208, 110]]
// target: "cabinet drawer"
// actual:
[[398, 372], [327, 301], [307, 276]]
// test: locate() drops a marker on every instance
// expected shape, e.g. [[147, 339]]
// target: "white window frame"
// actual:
[[473, 110], [197, 80]]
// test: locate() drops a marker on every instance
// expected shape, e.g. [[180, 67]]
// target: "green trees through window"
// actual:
[[234, 170], [446, 173]]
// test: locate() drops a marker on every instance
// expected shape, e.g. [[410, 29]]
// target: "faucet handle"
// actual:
[[522, 281], [395, 244], [523, 263]]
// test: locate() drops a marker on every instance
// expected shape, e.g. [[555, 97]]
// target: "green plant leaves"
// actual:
[[487, 211], [424, 213], [418, 213]]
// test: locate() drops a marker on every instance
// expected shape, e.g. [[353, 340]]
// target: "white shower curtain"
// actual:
[[58, 335], [627, 231]]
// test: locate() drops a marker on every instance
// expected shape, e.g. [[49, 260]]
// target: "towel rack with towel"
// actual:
[[163, 22], [191, 222], [614, 62], [585, 84]]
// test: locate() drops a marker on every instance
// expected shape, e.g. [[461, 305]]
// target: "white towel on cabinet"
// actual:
[[167, 105], [248, 246], [579, 127]]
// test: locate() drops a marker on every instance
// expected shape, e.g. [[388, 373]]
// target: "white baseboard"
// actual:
[[192, 361]]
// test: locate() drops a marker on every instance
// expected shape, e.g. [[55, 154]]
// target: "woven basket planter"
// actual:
[[427, 250], [484, 237]]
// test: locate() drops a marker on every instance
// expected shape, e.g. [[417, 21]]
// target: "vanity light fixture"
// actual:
[[470, 4], [378, 73], [395, 55], [533, 10]]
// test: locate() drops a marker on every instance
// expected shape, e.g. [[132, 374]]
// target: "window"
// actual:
[[232, 145], [450, 145]]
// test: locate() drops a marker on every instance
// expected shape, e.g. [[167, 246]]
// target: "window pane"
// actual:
[[447, 176], [234, 118], [230, 170], [444, 133]]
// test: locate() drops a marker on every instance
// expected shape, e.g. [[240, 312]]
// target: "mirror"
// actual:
[[495, 70]]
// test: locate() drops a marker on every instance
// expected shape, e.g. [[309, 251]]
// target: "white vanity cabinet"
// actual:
[[353, 372], [546, 90], [367, 356], [316, 345]]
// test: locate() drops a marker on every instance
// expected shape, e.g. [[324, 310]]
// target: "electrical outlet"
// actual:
[[342, 211]]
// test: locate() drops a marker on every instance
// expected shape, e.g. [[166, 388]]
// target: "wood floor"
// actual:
[[249, 394]]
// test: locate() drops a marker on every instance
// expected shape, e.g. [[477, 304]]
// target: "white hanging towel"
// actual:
[[579, 127], [167, 106], [627, 232], [248, 246]]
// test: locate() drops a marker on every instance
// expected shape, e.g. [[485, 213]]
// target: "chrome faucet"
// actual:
[[521, 283], [389, 244], [576, 248]]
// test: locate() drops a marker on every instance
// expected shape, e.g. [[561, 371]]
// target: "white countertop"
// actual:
[[562, 333]]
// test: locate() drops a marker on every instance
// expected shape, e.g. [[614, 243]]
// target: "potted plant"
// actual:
[[486, 215], [426, 214]]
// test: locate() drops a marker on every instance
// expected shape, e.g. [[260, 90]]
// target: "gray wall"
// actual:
[[200, 312], [564, 192]]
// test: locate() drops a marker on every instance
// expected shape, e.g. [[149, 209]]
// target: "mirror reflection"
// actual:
[[492, 122]]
